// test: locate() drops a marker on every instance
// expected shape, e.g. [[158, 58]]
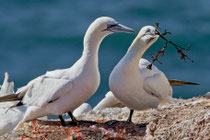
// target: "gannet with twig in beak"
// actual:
[[130, 86]]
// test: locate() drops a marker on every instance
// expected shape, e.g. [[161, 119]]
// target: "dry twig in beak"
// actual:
[[179, 49]]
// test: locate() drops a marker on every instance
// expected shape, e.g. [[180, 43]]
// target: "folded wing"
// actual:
[[43, 90]]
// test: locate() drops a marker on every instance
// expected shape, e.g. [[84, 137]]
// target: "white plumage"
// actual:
[[134, 85], [61, 91], [6, 89], [9, 119], [111, 101], [84, 108]]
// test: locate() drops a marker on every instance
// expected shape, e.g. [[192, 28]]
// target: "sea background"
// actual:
[[43, 35]]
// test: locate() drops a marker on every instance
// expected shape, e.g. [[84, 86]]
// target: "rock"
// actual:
[[207, 95], [189, 119]]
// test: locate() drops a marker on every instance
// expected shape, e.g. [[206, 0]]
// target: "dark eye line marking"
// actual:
[[148, 30], [110, 26]]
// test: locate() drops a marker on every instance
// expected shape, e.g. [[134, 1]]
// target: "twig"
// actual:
[[179, 49]]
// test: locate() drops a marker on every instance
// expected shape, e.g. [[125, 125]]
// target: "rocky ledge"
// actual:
[[188, 119]]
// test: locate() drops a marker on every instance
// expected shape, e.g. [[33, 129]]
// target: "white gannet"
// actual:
[[83, 108], [108, 101], [139, 89], [10, 119], [111, 101], [61, 91], [6, 89]]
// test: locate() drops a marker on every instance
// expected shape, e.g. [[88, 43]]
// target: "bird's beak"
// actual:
[[150, 37], [121, 28], [156, 36]]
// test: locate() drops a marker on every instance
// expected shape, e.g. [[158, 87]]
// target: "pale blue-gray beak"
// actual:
[[120, 28]]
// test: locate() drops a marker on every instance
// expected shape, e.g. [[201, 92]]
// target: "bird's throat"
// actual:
[[136, 51]]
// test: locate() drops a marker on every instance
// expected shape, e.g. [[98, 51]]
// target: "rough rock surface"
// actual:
[[188, 119]]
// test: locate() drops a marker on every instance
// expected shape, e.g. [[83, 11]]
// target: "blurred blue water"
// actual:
[[38, 36]]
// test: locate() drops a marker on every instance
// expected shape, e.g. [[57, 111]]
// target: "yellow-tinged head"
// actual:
[[147, 35]]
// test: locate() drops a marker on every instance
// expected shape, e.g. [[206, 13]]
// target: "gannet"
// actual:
[[110, 101], [10, 119], [63, 90], [139, 90], [6, 89], [83, 108]]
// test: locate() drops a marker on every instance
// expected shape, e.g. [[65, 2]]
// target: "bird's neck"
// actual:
[[135, 53], [129, 64], [91, 44]]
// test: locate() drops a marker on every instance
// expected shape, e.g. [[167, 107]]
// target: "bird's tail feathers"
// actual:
[[174, 82]]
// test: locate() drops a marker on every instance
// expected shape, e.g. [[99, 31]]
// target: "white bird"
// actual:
[[111, 101], [108, 101], [135, 86], [10, 119], [6, 89], [61, 91], [84, 108]]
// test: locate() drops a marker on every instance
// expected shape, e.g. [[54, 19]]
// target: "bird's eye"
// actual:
[[111, 25], [148, 30]]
